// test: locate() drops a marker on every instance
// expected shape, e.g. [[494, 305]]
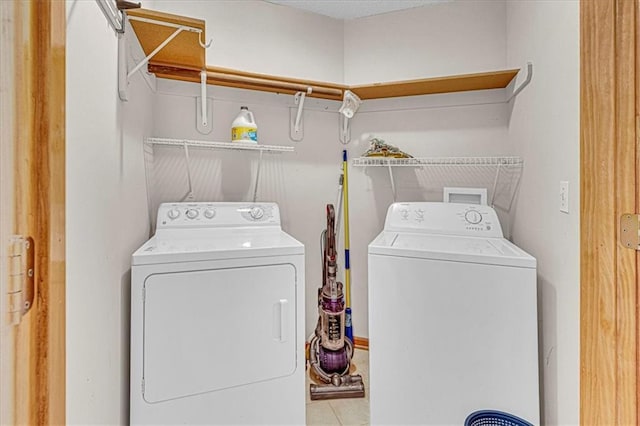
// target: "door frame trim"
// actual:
[[608, 175]]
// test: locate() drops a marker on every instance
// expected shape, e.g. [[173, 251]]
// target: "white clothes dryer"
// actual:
[[452, 317], [217, 318]]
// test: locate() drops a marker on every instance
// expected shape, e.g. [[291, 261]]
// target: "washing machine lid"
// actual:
[[216, 244], [490, 251]]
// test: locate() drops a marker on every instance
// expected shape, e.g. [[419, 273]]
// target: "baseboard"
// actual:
[[361, 343]]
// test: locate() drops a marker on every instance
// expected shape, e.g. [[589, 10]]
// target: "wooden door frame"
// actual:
[[38, 104], [609, 316], [50, 120], [609, 173]]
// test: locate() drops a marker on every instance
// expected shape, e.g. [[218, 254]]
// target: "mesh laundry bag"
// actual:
[[494, 418]]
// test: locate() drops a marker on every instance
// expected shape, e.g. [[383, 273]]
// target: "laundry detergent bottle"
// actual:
[[244, 127]]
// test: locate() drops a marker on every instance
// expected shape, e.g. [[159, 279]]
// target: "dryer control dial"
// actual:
[[173, 214], [256, 213], [209, 213], [192, 213], [473, 216]]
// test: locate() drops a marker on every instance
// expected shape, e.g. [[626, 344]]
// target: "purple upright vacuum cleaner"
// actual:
[[330, 351]]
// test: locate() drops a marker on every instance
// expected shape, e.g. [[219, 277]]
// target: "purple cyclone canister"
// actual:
[[333, 361]]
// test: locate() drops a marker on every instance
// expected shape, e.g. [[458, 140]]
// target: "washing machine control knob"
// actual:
[[209, 213], [173, 214], [192, 213], [473, 216], [256, 213]]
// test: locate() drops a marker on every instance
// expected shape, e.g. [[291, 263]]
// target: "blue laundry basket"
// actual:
[[494, 418]]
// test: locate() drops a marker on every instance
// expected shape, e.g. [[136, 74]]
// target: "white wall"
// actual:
[[544, 130], [256, 36], [106, 217], [105, 157], [447, 38], [302, 183]]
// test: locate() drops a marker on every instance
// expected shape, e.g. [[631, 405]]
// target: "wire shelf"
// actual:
[[500, 175], [437, 161], [239, 146]]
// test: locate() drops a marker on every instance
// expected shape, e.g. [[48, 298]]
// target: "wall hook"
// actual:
[[204, 46]]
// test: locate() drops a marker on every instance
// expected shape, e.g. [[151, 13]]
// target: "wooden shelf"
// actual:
[[428, 86], [184, 58], [184, 51]]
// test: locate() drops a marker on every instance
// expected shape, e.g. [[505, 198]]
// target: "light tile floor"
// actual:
[[349, 411]]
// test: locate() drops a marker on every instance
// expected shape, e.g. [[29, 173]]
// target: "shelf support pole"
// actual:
[[189, 195], [495, 184], [255, 186], [393, 183]]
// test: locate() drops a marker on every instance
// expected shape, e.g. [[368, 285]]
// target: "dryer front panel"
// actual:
[[214, 329]]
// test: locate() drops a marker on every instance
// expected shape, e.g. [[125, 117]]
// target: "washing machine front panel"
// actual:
[[203, 329], [450, 338]]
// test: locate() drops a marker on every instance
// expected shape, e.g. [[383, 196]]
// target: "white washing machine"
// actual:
[[452, 317], [217, 318]]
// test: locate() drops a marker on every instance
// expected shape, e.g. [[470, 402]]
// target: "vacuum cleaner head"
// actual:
[[349, 386], [338, 384]]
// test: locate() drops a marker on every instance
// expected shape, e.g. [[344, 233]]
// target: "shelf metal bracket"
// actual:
[[113, 16], [123, 75], [345, 129], [204, 109], [525, 83], [145, 61], [297, 124], [123, 81]]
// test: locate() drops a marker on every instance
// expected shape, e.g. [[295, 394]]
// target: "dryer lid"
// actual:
[[492, 251], [216, 244]]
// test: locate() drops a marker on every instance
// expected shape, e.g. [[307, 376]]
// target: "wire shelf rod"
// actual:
[[438, 161], [239, 146]]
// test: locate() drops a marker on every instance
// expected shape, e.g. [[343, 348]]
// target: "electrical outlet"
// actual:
[[564, 196]]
